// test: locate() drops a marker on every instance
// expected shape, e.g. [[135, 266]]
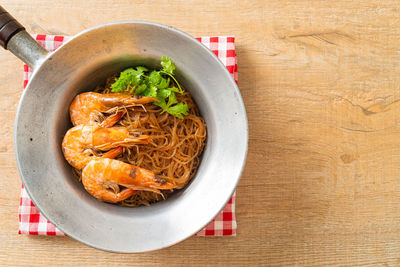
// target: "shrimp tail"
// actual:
[[111, 197], [113, 119], [113, 153]]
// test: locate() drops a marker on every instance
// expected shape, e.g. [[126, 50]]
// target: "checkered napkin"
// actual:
[[31, 222]]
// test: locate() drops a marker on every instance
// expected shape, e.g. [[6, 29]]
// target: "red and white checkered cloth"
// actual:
[[31, 222]]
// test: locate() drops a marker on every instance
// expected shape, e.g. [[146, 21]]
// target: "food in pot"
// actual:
[[136, 139]]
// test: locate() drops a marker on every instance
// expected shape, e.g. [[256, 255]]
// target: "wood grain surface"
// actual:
[[321, 85]]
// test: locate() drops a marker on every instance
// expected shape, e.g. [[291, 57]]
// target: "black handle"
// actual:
[[9, 26]]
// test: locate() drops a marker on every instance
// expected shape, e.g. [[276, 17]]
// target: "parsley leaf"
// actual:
[[172, 100], [163, 93], [140, 89], [127, 78], [178, 110], [168, 65], [142, 69], [122, 82], [154, 78], [151, 91], [161, 104], [142, 82], [164, 83], [174, 89]]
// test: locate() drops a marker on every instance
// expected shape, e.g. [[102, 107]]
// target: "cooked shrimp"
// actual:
[[102, 178], [85, 107], [80, 140]]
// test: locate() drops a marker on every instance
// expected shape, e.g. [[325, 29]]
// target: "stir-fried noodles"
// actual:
[[173, 153]]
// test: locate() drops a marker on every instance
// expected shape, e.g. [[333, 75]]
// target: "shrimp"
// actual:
[[86, 107], [102, 177], [80, 140]]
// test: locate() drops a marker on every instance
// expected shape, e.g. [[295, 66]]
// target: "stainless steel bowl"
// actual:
[[84, 62]]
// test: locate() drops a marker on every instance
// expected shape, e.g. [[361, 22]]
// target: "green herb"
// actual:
[[168, 69], [168, 65], [178, 109], [142, 82]]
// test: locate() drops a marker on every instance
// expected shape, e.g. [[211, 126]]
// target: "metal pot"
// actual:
[[86, 61]]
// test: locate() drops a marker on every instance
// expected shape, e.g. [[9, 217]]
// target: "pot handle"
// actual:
[[14, 38]]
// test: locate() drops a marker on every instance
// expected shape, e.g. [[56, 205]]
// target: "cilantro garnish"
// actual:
[[142, 82]]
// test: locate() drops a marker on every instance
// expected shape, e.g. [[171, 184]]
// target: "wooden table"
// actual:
[[321, 84]]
